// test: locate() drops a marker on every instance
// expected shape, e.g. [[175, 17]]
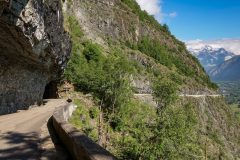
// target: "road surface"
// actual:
[[188, 95], [20, 132], [200, 95]]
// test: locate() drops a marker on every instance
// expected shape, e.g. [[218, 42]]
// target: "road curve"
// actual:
[[187, 95], [201, 95], [19, 132]]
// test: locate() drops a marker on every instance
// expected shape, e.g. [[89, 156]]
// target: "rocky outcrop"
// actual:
[[34, 50], [103, 19]]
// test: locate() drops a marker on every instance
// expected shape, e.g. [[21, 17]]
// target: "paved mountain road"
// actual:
[[188, 95], [20, 132], [201, 95]]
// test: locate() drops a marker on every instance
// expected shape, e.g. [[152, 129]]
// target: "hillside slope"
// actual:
[[119, 51], [123, 22]]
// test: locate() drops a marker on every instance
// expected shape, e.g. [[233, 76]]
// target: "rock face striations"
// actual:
[[34, 50]]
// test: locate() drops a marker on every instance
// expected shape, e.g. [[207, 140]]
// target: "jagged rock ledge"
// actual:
[[34, 50]]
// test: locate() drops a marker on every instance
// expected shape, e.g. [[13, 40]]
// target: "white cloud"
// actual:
[[173, 14], [231, 45], [153, 7]]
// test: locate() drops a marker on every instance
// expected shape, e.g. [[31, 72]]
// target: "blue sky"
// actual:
[[197, 19]]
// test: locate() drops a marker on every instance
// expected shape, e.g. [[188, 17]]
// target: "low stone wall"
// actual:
[[78, 144]]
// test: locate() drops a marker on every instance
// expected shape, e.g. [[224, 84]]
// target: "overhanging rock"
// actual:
[[34, 50]]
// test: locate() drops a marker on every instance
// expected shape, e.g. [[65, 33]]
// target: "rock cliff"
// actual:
[[34, 50], [107, 21], [102, 19]]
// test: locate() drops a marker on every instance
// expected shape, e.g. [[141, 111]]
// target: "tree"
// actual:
[[92, 52], [116, 90], [165, 92], [166, 28]]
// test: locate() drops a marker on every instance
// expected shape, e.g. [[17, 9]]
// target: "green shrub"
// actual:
[[92, 52], [165, 92], [94, 112], [175, 136]]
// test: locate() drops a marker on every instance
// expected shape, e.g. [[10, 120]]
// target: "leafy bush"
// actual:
[[133, 123], [144, 134], [92, 52], [153, 49], [165, 92], [94, 112], [175, 135]]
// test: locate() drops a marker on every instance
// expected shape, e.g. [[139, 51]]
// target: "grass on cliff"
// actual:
[[85, 119]]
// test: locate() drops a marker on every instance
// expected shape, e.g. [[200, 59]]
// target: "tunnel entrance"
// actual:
[[51, 91]]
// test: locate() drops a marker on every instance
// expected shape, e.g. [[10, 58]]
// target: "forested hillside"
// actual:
[[119, 52]]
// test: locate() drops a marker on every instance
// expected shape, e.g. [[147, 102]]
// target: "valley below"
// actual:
[[230, 90]]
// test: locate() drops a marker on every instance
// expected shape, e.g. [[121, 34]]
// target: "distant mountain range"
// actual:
[[211, 57], [220, 63], [231, 45], [227, 71]]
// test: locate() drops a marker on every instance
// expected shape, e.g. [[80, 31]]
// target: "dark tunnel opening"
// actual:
[[51, 91]]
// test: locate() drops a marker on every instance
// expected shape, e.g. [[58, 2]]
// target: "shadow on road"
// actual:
[[19, 146], [26, 146]]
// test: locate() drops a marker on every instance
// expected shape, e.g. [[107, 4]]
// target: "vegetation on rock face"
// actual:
[[107, 77], [172, 58], [132, 129], [165, 92], [218, 131], [177, 56], [144, 16]]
